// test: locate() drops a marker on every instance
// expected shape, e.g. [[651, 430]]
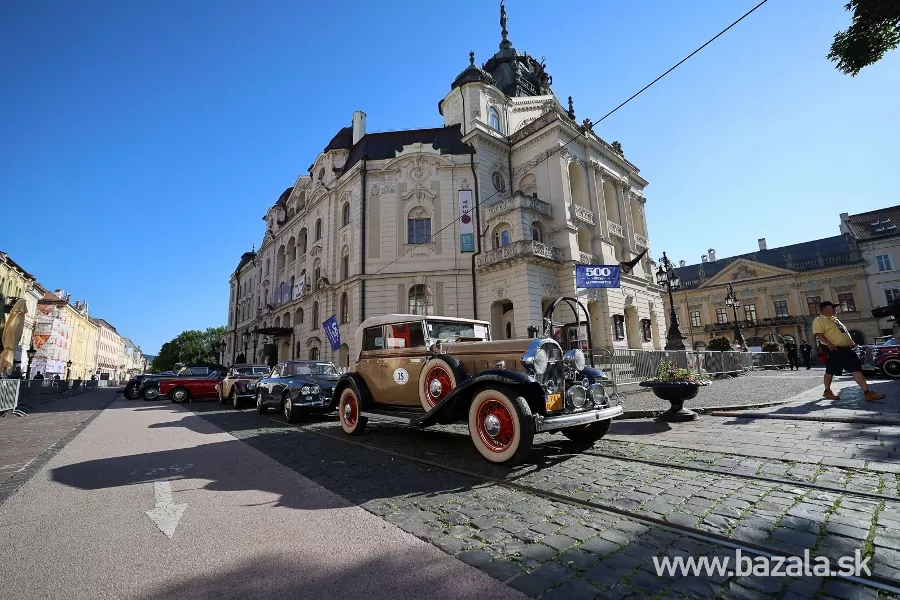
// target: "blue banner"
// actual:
[[597, 276], [333, 333]]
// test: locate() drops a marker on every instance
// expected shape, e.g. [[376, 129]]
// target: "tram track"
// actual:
[[873, 581]]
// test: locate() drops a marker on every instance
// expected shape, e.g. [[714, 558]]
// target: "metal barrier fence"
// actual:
[[626, 366], [9, 396]]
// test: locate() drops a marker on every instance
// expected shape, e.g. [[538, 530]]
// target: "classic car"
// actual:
[[297, 387], [240, 383], [186, 389], [426, 370], [148, 388]]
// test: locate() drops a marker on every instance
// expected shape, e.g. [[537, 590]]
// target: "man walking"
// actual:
[[806, 353], [841, 356], [791, 348]]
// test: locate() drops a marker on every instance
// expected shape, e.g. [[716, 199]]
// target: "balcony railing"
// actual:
[[750, 324], [520, 249], [519, 201], [581, 213], [640, 241], [587, 259], [615, 229]]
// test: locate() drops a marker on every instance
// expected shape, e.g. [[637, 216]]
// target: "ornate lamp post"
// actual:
[[68, 368], [255, 341], [732, 301], [30, 354], [667, 277], [246, 337], [222, 347]]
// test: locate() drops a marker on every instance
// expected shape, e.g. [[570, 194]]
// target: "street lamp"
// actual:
[[30, 354], [732, 301], [246, 337], [222, 346], [255, 341], [68, 369], [666, 276]]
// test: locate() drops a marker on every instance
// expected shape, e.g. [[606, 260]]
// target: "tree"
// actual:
[[191, 346], [875, 30]]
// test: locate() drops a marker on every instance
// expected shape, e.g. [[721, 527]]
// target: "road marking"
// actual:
[[161, 470], [166, 514]]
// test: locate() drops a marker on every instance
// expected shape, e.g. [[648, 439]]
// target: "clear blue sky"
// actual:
[[143, 142]]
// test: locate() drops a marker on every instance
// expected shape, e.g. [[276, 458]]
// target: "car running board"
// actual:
[[396, 416]]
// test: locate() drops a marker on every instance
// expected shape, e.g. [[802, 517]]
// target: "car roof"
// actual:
[[250, 365], [402, 318]]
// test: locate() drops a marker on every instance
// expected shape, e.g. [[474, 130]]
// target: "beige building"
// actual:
[[779, 289], [16, 283], [109, 352], [484, 217], [876, 234]]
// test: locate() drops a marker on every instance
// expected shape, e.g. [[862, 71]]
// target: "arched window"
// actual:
[[315, 315], [318, 229], [493, 118], [345, 308], [502, 236], [537, 232], [267, 266], [301, 241], [291, 293], [314, 353], [420, 300], [418, 226], [345, 263], [508, 330], [345, 214], [528, 185], [322, 174], [298, 316]]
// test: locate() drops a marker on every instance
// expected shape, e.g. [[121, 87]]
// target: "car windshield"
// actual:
[[251, 370], [321, 369], [450, 331]]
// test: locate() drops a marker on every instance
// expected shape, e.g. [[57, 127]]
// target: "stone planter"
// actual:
[[676, 392]]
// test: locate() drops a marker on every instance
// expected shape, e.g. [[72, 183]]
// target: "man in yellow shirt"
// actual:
[[841, 355]]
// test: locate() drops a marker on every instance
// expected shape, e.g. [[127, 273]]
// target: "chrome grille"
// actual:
[[554, 370]]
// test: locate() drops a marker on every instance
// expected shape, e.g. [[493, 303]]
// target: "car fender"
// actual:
[[355, 381], [458, 370], [591, 374], [453, 408]]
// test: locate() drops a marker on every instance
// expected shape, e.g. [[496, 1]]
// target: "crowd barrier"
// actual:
[[13, 392]]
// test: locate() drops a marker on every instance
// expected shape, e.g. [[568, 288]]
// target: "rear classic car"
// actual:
[[297, 387], [240, 383], [186, 389], [148, 388], [426, 370]]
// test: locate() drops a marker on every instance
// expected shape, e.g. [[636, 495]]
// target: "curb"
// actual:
[[819, 419], [702, 410]]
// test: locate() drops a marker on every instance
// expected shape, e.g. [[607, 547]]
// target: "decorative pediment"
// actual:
[[744, 270]]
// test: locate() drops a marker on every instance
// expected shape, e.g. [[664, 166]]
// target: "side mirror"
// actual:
[[438, 347]]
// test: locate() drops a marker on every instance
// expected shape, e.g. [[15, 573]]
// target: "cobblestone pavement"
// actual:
[[851, 407], [553, 549], [26, 439], [756, 389]]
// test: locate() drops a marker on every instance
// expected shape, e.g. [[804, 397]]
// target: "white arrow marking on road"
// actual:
[[166, 514]]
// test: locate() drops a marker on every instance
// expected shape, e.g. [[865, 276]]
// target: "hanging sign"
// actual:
[[333, 332], [466, 222], [597, 276]]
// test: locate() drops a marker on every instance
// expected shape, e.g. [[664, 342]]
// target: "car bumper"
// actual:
[[555, 422], [320, 402]]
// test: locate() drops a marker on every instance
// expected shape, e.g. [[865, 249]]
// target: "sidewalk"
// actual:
[[25, 441], [227, 522]]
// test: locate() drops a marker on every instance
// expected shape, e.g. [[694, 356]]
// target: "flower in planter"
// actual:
[[670, 371]]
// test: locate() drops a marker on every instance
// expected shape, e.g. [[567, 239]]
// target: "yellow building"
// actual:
[[779, 290], [64, 333]]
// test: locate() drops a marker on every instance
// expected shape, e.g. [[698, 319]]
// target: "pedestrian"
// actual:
[[841, 356], [39, 375], [791, 348], [806, 353]]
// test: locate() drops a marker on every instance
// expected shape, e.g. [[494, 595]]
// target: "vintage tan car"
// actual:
[[240, 383], [426, 370]]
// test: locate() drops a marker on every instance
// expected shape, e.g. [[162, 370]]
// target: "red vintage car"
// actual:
[[187, 389]]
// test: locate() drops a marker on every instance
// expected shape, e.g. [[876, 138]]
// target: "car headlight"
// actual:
[[577, 396], [540, 362], [574, 359], [314, 389], [598, 395], [251, 386], [305, 390]]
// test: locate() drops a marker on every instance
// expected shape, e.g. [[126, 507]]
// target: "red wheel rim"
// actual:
[[440, 375], [349, 410], [494, 418]]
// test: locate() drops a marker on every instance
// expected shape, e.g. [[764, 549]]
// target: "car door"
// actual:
[[206, 388], [265, 385], [279, 384], [403, 360], [370, 359]]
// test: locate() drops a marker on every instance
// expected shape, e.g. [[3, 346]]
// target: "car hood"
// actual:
[[320, 380], [249, 377], [492, 347]]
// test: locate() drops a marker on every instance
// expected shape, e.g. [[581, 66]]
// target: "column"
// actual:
[[623, 189]]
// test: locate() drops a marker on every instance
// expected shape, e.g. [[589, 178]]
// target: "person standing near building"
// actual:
[[831, 332], [791, 348], [806, 354]]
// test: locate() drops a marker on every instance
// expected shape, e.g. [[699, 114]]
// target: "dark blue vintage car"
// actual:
[[296, 387]]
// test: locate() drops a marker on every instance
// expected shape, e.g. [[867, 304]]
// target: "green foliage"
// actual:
[[771, 347], [719, 344], [875, 30], [670, 371], [191, 346]]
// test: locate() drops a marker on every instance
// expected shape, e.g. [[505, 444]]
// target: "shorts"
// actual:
[[844, 359]]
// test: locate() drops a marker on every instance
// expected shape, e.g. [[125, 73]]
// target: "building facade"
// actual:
[[64, 333], [780, 290], [109, 352], [133, 359], [16, 283], [876, 234], [485, 217]]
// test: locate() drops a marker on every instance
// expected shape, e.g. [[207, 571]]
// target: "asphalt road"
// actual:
[[249, 527]]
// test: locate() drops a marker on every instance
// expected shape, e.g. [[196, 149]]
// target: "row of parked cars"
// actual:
[[422, 371]]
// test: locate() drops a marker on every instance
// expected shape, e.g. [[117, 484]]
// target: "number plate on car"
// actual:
[[554, 402]]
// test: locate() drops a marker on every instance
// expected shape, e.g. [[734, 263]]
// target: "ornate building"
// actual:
[[780, 290], [484, 217]]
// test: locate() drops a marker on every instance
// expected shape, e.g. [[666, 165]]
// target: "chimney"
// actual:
[[682, 263], [359, 125], [59, 294], [77, 305], [712, 255], [844, 228], [704, 258], [68, 298], [762, 244]]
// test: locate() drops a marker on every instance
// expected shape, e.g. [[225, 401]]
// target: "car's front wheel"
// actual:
[[233, 399], [179, 394], [501, 429], [260, 407], [891, 367], [131, 392], [587, 434], [352, 422], [151, 393], [290, 415]]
